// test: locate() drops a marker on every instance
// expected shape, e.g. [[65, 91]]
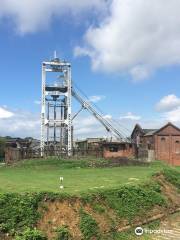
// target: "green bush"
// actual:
[[31, 234], [131, 201], [63, 233], [88, 226], [153, 225], [18, 211], [173, 176], [98, 208]]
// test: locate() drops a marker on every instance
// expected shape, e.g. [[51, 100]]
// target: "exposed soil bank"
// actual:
[[57, 213], [102, 214]]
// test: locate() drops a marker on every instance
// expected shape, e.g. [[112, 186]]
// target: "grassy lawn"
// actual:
[[43, 175]]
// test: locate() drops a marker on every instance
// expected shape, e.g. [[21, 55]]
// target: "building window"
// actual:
[[163, 139], [122, 147], [177, 141], [113, 149]]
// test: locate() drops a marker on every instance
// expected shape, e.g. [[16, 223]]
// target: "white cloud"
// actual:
[[4, 113], [27, 124], [87, 126], [37, 102], [168, 103], [20, 124], [173, 115], [96, 98], [137, 37], [169, 107], [107, 116], [131, 116], [32, 15], [139, 73]]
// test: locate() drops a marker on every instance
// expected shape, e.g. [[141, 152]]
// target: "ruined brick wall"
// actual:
[[128, 152], [144, 154], [12, 155]]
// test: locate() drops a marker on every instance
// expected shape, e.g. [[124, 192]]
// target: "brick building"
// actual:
[[106, 149], [161, 144], [117, 150]]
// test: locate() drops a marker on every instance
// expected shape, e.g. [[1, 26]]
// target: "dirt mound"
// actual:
[[58, 213], [66, 213], [5, 236], [171, 223]]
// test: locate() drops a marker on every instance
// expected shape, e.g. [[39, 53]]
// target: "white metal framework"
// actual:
[[56, 121], [56, 117]]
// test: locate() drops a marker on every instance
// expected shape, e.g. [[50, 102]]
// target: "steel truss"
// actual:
[[56, 117], [56, 120]]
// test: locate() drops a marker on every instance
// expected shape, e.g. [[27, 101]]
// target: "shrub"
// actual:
[[173, 176], [31, 234], [98, 208], [131, 201], [63, 233], [88, 226], [18, 211]]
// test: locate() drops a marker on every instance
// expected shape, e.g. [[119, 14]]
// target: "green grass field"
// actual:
[[108, 207], [43, 175]]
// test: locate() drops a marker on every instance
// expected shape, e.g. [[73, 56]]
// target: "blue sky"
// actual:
[[127, 64]]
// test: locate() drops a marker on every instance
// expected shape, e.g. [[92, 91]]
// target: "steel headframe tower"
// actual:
[[56, 120]]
